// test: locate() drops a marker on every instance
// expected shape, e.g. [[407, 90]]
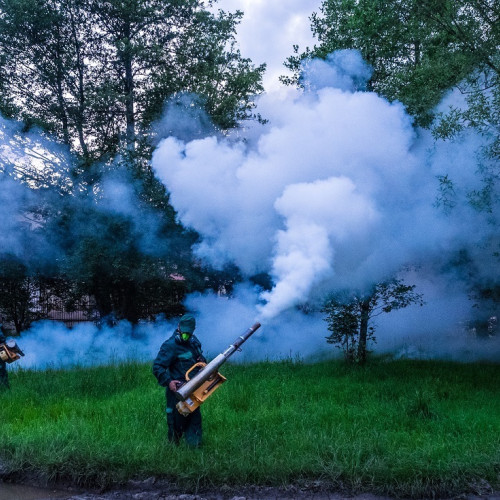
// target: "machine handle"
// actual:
[[200, 363]]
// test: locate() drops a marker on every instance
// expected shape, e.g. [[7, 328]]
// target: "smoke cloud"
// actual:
[[50, 344], [338, 190]]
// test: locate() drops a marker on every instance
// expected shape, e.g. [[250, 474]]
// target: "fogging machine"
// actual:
[[10, 351], [197, 389]]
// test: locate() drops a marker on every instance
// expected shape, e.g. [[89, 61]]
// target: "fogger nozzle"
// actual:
[[185, 390]]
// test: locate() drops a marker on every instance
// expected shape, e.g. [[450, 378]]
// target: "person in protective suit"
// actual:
[[176, 356], [4, 377]]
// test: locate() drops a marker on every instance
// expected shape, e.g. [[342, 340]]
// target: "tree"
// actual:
[[474, 24], [16, 286], [43, 49], [418, 50], [481, 113], [98, 73], [349, 315]]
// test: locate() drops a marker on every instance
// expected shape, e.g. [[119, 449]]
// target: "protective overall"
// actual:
[[4, 377], [176, 356]]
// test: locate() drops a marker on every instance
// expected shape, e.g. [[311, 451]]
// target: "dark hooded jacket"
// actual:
[[176, 357], [4, 378]]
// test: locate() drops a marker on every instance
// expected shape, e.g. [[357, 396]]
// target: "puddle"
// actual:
[[19, 492]]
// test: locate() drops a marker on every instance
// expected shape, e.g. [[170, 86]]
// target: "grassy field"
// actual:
[[409, 428]]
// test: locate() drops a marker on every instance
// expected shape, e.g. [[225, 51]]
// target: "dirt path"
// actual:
[[264, 496], [151, 491]]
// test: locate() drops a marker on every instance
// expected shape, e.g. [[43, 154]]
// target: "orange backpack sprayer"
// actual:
[[10, 351], [196, 390]]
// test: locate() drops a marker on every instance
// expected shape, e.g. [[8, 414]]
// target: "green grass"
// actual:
[[408, 428]]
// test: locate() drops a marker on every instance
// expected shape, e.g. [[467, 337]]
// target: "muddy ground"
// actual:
[[253, 493], [152, 489], [22, 486]]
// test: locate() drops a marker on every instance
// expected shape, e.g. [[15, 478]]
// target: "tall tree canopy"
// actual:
[[97, 73], [418, 49]]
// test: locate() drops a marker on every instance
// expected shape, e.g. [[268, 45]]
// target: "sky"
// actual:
[[269, 29]]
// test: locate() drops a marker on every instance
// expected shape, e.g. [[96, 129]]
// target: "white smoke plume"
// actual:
[[343, 69], [337, 191], [49, 344]]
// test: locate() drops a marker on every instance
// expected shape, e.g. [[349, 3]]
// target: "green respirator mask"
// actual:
[[185, 336]]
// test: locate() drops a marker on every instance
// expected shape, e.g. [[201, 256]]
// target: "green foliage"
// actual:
[[98, 73], [446, 198], [16, 304], [418, 50], [349, 314], [343, 322], [400, 428], [125, 267], [481, 114]]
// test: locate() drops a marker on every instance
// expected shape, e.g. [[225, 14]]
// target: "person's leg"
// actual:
[[4, 376], [174, 426], [193, 429]]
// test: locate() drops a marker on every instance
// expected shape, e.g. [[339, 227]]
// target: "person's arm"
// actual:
[[199, 356], [161, 365]]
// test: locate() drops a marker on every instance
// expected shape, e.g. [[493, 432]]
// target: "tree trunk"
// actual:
[[102, 298], [129, 90], [417, 49], [129, 106], [128, 303], [363, 330], [81, 89], [62, 108]]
